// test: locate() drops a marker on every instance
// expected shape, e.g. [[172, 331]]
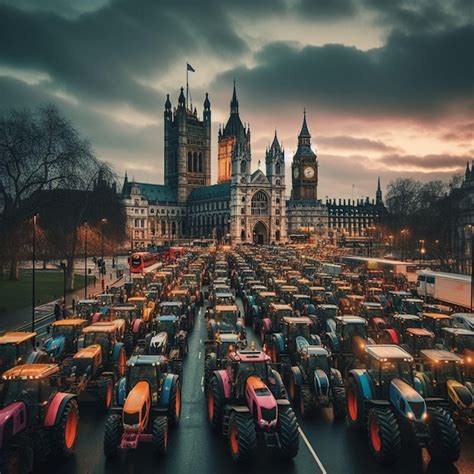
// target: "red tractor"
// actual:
[[247, 403]]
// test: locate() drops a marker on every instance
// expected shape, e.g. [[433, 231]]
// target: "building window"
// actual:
[[195, 162], [277, 235], [277, 169], [242, 235], [163, 227], [242, 210], [277, 222], [243, 198], [190, 161], [242, 221], [278, 182], [173, 228], [200, 162], [243, 166], [277, 200], [259, 203]]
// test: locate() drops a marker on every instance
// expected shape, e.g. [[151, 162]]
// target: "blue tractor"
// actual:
[[64, 338], [385, 399]]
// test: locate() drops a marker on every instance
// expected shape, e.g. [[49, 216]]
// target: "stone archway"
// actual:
[[260, 234]]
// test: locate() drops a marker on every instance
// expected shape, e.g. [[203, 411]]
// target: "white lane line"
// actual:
[[202, 389], [202, 381], [199, 356], [312, 451], [200, 341]]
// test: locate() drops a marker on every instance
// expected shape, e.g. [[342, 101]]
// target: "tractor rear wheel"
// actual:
[[129, 343], [209, 367], [215, 404], [444, 444], [174, 412], [356, 413], [306, 402], [242, 437], [339, 402], [105, 390], [288, 432], [177, 367], [112, 435], [293, 390], [384, 435], [64, 432], [160, 435]]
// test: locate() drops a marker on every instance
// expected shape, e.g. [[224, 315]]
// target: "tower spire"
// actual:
[[234, 104], [304, 128]]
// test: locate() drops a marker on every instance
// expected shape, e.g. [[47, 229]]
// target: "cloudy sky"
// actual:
[[388, 85]]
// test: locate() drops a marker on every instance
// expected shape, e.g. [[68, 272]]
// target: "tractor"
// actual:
[[86, 308], [262, 302], [435, 322], [64, 339], [17, 348], [216, 351], [369, 310], [247, 403], [175, 308], [442, 375], [383, 400], [326, 318], [347, 342], [461, 342], [37, 420], [168, 340], [313, 383], [188, 308], [399, 324], [417, 340], [411, 306], [148, 402], [272, 323], [225, 319]]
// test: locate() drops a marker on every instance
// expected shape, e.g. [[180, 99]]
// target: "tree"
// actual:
[[39, 150]]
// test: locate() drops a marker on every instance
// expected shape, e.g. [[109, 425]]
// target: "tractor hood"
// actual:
[[407, 401], [261, 402], [136, 408], [11, 414], [54, 345], [460, 394]]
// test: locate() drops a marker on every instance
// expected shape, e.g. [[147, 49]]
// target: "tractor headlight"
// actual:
[[410, 415], [424, 416]]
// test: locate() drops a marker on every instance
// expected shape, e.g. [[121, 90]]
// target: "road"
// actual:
[[194, 449]]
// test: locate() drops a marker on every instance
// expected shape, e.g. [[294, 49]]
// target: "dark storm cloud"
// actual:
[[413, 74], [343, 142], [431, 162], [66, 8]]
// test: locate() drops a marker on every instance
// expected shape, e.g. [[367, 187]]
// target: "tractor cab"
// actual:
[[181, 295], [225, 318], [300, 302], [442, 366], [401, 322], [351, 332], [127, 312], [435, 322], [460, 341], [437, 308], [170, 324], [286, 292], [317, 294], [144, 308], [87, 307], [277, 311], [369, 310], [105, 299], [411, 306], [103, 334], [386, 362], [396, 298], [264, 299], [293, 327], [313, 358], [15, 349], [326, 317], [224, 298], [171, 307], [418, 339], [64, 337]]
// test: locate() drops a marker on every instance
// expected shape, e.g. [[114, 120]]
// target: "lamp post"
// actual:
[[63, 268], [103, 221], [403, 232], [85, 259], [421, 249], [33, 279]]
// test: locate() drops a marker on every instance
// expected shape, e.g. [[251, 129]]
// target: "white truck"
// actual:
[[449, 288]]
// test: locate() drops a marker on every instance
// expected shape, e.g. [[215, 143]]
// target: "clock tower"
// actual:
[[304, 169]]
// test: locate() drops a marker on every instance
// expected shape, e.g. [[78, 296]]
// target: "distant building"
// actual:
[[463, 228]]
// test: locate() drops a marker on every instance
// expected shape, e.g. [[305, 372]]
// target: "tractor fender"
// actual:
[[267, 325], [315, 340], [96, 317], [460, 394], [406, 400], [224, 381], [168, 383], [13, 419], [53, 346], [364, 382], [310, 309], [297, 376], [331, 325], [321, 383], [37, 356], [333, 341], [279, 342], [393, 335], [212, 326], [115, 354], [419, 384], [56, 407], [121, 391], [301, 343], [136, 326], [255, 310]]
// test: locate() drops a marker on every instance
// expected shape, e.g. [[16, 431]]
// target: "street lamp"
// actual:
[[33, 279], [85, 259], [103, 221], [63, 268], [403, 232], [422, 249]]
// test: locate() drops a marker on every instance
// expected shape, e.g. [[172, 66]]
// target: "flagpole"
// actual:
[[187, 85]]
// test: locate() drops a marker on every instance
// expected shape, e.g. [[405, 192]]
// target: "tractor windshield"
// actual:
[[175, 310], [318, 362], [21, 389], [167, 326], [227, 319], [65, 331], [146, 373], [464, 342], [101, 338], [246, 369], [351, 330], [395, 368], [447, 371], [8, 356], [295, 330]]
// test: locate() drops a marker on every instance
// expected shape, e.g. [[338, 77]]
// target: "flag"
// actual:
[[189, 67]]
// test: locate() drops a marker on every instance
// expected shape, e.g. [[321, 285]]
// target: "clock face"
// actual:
[[296, 172], [309, 172]]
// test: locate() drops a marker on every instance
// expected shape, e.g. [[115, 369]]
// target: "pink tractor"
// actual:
[[36, 419], [247, 403]]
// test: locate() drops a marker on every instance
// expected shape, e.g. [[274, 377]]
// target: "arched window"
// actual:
[[243, 166], [278, 182], [163, 227], [200, 163], [277, 168], [259, 203], [242, 235], [173, 228], [195, 162], [190, 162], [277, 235]]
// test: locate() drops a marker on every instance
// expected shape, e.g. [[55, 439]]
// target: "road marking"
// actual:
[[200, 341], [312, 451], [199, 355], [202, 381], [202, 389]]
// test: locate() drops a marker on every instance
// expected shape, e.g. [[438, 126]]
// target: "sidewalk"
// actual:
[[23, 316]]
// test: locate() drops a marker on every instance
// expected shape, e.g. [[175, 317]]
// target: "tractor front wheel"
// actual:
[[160, 435], [356, 414], [384, 435], [444, 445], [175, 403], [339, 402], [215, 404], [242, 437], [64, 432], [306, 402], [105, 392], [112, 435], [288, 433]]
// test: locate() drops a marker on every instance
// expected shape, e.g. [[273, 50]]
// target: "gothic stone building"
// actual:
[[242, 206]]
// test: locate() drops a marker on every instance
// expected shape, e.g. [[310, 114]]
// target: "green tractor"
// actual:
[[383, 400]]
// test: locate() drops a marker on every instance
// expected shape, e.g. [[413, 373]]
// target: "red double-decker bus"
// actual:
[[139, 261]]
